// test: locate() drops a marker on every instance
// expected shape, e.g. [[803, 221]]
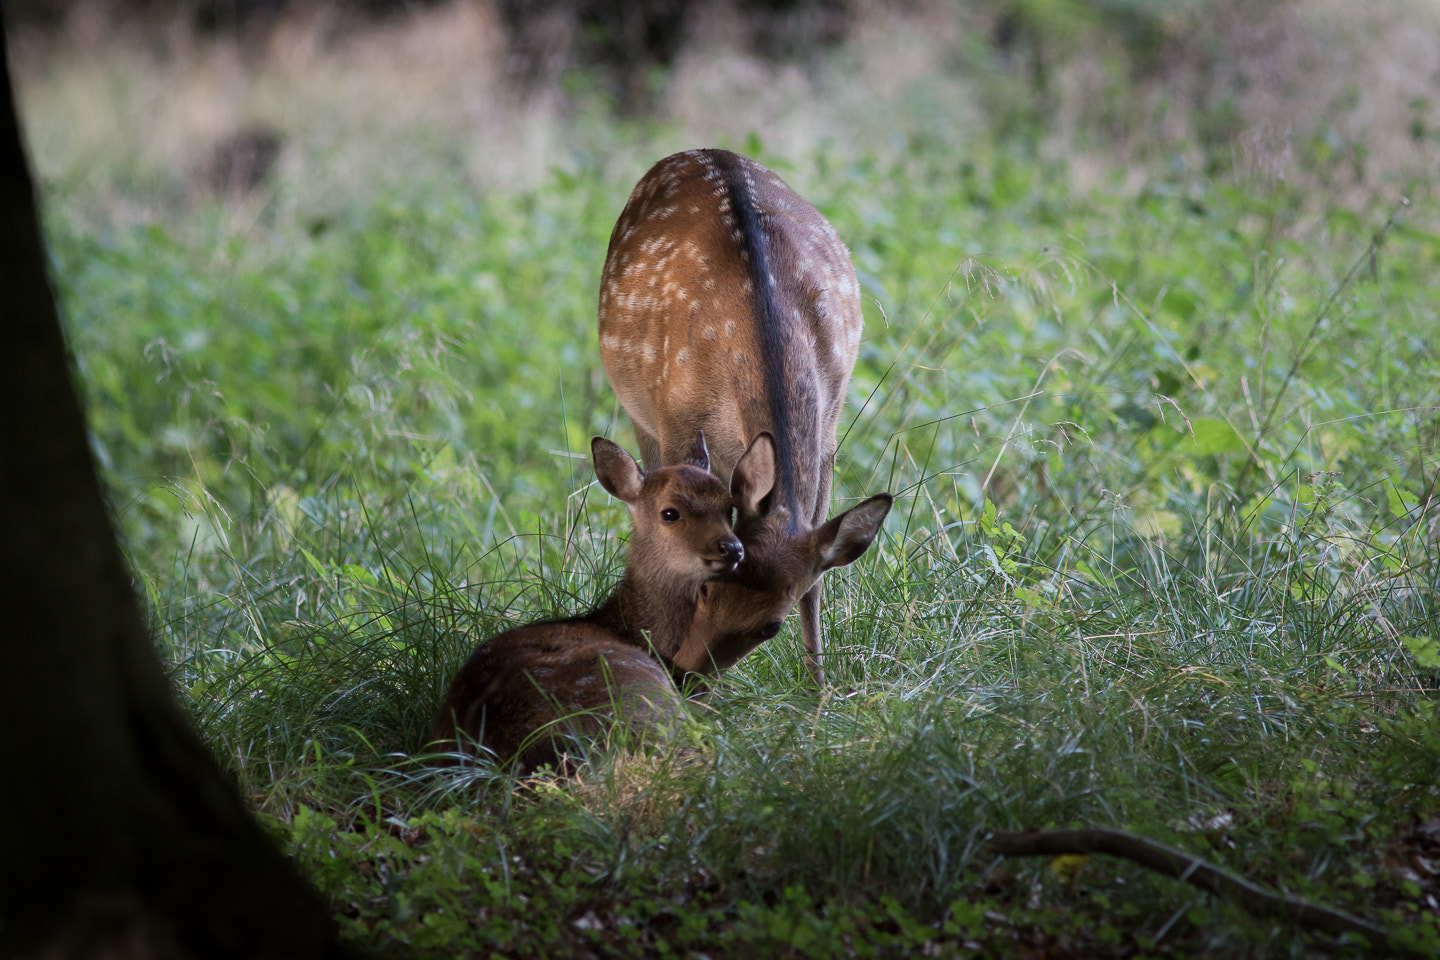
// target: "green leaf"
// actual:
[[1401, 502], [1425, 651], [1157, 524], [315, 564], [1211, 437], [987, 518]]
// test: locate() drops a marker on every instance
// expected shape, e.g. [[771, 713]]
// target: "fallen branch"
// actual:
[[1182, 866]]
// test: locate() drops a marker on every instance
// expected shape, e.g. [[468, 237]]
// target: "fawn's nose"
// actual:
[[731, 549]]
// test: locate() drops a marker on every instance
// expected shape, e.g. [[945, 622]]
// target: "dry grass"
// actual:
[[1364, 78], [121, 120]]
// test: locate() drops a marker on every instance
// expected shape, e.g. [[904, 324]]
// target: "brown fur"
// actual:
[[728, 304], [521, 689], [746, 607]]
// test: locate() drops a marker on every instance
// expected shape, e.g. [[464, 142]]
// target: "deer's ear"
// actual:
[[845, 538], [754, 477], [698, 455], [617, 471]]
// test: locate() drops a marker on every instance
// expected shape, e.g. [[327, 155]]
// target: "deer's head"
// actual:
[[744, 608], [681, 514]]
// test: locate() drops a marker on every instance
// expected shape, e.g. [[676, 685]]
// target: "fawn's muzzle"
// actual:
[[731, 550]]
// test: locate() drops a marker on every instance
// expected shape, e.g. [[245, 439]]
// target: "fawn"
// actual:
[[742, 609], [520, 687], [729, 305]]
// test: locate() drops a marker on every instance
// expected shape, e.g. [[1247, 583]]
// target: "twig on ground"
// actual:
[[1189, 869]]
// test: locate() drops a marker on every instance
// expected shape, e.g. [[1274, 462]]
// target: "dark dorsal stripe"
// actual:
[[768, 317]]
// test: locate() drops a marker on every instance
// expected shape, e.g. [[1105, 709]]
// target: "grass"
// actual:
[[1163, 556]]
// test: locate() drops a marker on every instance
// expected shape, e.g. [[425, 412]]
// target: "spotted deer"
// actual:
[[729, 305], [521, 687]]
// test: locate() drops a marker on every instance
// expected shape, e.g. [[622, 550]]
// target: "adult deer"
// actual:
[[728, 304], [519, 686]]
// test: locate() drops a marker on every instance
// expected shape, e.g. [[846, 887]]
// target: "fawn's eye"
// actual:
[[669, 514], [769, 630]]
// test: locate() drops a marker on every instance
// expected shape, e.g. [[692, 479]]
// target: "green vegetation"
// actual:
[[1164, 557]]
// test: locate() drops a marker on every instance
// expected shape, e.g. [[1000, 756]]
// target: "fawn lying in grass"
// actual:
[[520, 689]]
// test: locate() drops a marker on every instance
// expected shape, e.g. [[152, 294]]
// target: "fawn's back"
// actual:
[[524, 690]]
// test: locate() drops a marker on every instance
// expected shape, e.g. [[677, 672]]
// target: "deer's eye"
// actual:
[[669, 514], [769, 630]]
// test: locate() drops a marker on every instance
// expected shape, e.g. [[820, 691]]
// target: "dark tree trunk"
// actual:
[[120, 834]]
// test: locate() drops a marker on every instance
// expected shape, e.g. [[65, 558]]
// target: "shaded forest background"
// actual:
[[1339, 92]]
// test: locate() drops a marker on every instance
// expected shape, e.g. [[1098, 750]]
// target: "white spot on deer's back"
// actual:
[[709, 332], [683, 355]]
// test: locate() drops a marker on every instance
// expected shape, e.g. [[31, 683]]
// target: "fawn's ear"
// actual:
[[698, 455], [617, 471], [754, 477], [844, 538]]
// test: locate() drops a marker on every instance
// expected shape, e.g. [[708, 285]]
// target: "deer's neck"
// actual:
[[650, 612]]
